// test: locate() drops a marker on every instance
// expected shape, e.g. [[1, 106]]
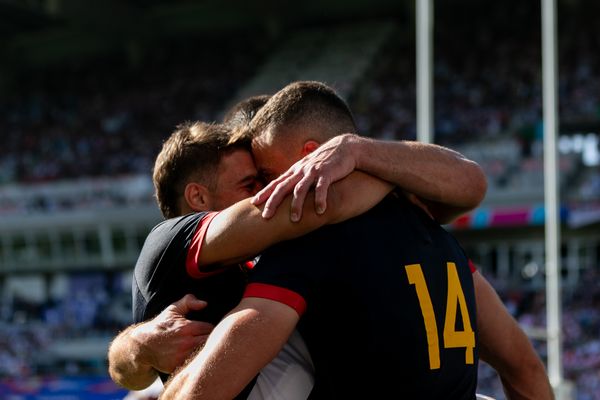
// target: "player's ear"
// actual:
[[197, 197], [309, 147]]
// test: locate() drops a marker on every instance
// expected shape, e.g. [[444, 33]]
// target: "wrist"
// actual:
[[138, 351], [356, 147]]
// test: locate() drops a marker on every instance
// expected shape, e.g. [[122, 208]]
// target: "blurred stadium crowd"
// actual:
[[103, 121], [31, 333], [110, 121]]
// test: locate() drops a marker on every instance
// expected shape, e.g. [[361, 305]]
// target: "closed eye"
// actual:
[[267, 176]]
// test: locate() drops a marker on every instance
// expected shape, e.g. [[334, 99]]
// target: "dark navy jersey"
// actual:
[[167, 269], [387, 304]]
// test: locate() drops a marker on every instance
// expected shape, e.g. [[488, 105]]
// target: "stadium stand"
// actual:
[[337, 55], [79, 141]]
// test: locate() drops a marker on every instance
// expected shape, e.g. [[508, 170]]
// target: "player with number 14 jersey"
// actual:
[[394, 305]]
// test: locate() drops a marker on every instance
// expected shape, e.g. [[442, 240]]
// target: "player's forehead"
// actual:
[[262, 149], [238, 162], [269, 159]]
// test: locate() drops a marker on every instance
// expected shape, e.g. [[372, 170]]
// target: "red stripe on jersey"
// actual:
[[276, 293], [193, 254], [472, 266]]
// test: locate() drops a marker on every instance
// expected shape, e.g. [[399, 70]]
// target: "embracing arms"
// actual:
[[504, 346], [254, 331], [440, 177], [236, 234], [239, 232], [243, 342], [137, 354], [447, 182]]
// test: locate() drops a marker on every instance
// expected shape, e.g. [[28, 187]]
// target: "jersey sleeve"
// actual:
[[472, 266], [282, 274], [277, 293], [195, 249]]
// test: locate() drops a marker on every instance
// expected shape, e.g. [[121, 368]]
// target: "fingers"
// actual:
[[321, 189], [299, 179], [284, 187], [175, 353], [187, 331], [200, 328], [267, 192], [188, 303], [300, 192], [264, 194]]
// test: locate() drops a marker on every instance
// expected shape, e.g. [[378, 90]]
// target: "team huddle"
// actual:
[[299, 259]]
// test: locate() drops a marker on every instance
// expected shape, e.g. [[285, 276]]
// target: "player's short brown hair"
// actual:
[[311, 105], [192, 153]]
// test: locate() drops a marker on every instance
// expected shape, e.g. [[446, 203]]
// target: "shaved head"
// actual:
[[304, 110]]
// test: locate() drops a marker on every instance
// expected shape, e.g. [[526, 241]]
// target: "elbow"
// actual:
[[336, 210], [116, 373], [126, 374], [477, 186], [482, 184], [120, 379], [115, 376]]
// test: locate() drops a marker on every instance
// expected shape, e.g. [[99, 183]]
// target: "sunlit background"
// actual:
[[89, 90]]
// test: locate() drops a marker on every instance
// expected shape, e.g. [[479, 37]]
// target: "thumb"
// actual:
[[188, 303]]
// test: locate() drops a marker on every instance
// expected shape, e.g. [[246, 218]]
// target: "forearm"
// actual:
[[431, 172], [354, 195], [241, 344], [530, 384], [504, 346], [524, 379], [125, 364], [522, 374], [240, 232], [200, 379]]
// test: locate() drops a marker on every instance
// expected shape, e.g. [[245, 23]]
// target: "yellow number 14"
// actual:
[[456, 298]]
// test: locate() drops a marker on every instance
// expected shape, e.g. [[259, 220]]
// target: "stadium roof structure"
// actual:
[[44, 33], [15, 18]]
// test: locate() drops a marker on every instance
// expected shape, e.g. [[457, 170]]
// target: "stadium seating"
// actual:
[[78, 146], [336, 55]]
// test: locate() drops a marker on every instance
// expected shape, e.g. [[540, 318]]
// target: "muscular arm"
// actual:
[[239, 232], [126, 364], [504, 346], [241, 344], [446, 181], [442, 178], [137, 354]]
